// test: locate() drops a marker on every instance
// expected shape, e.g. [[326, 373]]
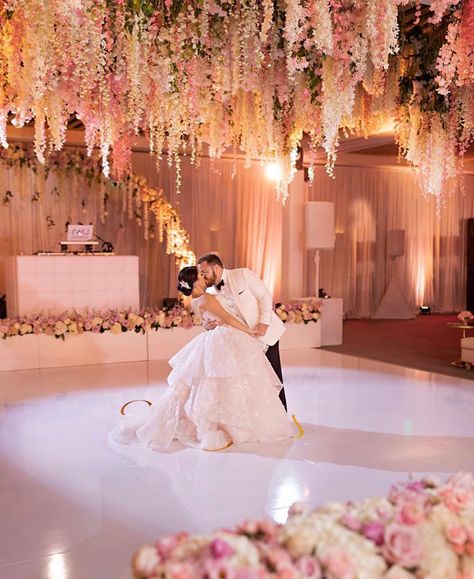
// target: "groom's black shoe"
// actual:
[[273, 356]]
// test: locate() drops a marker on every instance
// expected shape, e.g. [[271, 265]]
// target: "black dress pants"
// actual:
[[273, 356]]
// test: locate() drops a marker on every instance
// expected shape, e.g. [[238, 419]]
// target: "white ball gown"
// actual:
[[221, 390]]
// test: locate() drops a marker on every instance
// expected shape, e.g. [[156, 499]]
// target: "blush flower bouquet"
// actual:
[[421, 529], [465, 317], [299, 312]]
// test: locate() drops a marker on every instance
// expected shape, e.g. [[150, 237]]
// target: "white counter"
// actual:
[[58, 283]]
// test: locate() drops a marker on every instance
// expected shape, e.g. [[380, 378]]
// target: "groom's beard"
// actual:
[[211, 281]]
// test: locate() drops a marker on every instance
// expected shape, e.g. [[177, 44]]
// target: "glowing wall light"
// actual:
[[274, 171]]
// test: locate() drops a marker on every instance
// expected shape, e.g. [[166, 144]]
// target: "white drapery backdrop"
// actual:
[[227, 208], [238, 216], [369, 202]]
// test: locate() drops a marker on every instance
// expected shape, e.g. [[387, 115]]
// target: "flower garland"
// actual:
[[422, 529], [113, 321], [72, 323], [246, 75], [140, 198]]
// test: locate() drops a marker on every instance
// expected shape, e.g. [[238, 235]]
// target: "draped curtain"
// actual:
[[370, 202], [223, 206], [232, 210]]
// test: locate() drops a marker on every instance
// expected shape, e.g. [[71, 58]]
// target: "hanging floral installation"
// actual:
[[139, 199], [253, 76]]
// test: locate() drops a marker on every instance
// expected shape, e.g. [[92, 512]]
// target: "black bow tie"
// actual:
[[220, 285]]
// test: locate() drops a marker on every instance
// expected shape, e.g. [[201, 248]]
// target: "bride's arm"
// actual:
[[212, 305]]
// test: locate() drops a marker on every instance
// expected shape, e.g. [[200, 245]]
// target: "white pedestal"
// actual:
[[19, 353], [54, 284], [331, 319], [164, 343], [301, 336]]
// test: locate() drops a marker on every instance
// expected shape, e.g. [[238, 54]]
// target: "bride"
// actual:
[[222, 389]]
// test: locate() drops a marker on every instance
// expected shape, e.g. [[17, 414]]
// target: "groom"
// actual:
[[247, 298]]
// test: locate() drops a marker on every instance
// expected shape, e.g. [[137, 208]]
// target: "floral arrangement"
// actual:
[[251, 75], [113, 321], [299, 312], [139, 199], [117, 321], [422, 529], [465, 317]]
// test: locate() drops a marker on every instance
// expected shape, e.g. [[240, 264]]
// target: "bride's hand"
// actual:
[[211, 325]]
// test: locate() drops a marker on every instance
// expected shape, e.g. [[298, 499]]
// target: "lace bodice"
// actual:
[[204, 314]]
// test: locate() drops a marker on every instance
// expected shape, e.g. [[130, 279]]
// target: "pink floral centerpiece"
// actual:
[[299, 312], [422, 529], [465, 317]]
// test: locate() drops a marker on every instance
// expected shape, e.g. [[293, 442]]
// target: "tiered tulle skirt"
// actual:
[[221, 390]]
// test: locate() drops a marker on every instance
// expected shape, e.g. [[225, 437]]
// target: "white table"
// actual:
[[54, 284]]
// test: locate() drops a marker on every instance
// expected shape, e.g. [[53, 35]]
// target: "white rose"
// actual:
[[146, 561], [397, 572], [25, 329], [72, 328], [439, 560], [301, 542], [116, 328]]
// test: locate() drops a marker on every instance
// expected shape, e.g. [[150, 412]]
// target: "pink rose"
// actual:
[[351, 522], [402, 545], [338, 564], [411, 514], [181, 571], [309, 567], [220, 549], [279, 558], [456, 498], [374, 532], [269, 530], [288, 573], [456, 533], [166, 545], [146, 561]]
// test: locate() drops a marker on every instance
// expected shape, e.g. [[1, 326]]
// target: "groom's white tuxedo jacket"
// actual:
[[253, 301]]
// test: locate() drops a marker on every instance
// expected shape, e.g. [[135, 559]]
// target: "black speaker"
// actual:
[[470, 265]]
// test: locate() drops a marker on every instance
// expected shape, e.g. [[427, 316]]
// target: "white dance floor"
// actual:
[[74, 507]]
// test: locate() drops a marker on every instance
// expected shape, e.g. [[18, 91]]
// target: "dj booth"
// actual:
[[56, 283]]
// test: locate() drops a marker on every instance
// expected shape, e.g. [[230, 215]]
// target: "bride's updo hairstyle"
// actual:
[[186, 279]]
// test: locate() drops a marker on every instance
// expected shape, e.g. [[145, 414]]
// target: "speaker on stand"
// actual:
[[393, 305], [318, 232]]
